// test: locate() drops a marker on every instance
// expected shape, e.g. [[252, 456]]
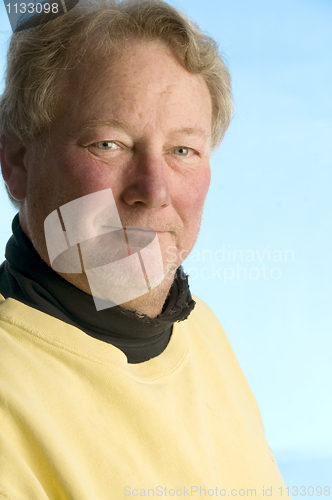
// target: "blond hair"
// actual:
[[38, 59]]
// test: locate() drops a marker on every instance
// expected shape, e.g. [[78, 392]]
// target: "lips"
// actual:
[[138, 237], [136, 228]]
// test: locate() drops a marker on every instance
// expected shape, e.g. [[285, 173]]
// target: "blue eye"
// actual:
[[106, 145], [182, 151]]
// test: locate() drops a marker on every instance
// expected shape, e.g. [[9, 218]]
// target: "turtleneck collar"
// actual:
[[27, 278]]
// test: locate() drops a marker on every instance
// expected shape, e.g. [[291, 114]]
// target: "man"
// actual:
[[107, 120]]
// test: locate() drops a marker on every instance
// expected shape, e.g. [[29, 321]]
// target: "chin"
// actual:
[[127, 280], [151, 303]]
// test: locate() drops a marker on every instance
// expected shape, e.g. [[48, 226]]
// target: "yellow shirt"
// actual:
[[77, 422]]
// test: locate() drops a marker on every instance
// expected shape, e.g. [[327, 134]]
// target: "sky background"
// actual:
[[263, 257]]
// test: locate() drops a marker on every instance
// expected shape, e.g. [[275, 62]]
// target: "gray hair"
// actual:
[[39, 58]]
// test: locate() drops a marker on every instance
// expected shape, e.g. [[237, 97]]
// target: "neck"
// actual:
[[152, 302]]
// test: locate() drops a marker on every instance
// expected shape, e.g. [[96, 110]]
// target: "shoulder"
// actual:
[[202, 308], [207, 321], [204, 322]]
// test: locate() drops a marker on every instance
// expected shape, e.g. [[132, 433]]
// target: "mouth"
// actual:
[[135, 228], [145, 229]]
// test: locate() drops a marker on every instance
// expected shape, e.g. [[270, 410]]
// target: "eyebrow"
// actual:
[[92, 124], [191, 131], [116, 123]]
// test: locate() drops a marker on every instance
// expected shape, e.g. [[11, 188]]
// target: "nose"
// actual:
[[147, 182]]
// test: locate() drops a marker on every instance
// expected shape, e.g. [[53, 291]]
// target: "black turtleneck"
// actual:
[[24, 276]]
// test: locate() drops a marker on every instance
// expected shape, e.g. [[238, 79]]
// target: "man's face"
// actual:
[[140, 125]]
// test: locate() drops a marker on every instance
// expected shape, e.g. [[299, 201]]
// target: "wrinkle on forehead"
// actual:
[[167, 74], [134, 85]]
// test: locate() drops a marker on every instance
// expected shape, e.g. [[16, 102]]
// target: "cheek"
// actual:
[[203, 186], [192, 195], [78, 175]]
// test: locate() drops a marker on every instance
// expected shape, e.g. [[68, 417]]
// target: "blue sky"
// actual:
[[263, 258]]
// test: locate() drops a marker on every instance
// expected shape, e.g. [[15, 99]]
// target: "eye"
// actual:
[[183, 151], [106, 145]]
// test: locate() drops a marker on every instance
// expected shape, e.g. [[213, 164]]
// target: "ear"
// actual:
[[13, 167]]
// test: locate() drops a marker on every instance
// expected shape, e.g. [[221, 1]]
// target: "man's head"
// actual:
[[129, 96]]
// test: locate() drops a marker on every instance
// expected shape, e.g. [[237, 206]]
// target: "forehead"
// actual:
[[139, 77], [151, 62]]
